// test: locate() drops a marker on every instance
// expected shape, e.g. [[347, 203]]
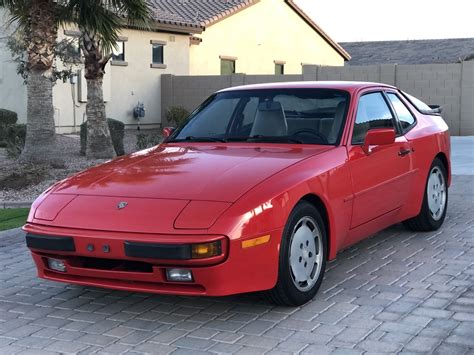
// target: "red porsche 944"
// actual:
[[254, 192]]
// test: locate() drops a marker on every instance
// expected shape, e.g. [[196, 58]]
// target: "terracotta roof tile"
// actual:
[[195, 13]]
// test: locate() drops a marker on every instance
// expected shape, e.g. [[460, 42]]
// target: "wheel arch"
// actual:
[[444, 159], [317, 202]]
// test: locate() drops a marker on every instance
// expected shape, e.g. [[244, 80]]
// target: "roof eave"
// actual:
[[169, 26], [318, 29]]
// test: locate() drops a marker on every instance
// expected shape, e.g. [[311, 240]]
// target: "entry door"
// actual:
[[381, 179]]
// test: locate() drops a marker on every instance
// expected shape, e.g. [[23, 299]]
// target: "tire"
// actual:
[[302, 261], [435, 201]]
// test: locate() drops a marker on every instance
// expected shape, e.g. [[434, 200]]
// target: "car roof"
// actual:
[[340, 85]]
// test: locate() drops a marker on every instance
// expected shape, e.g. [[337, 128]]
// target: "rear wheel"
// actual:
[[303, 253], [435, 201]]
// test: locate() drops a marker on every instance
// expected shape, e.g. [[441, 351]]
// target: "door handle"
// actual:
[[404, 152]]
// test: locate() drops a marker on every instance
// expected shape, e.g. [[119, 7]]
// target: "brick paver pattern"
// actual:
[[398, 291]]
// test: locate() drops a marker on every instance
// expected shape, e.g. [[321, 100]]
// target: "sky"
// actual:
[[372, 20]]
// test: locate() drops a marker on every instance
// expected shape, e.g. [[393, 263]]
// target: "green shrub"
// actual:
[[13, 138], [176, 115], [147, 140], [117, 132], [7, 117]]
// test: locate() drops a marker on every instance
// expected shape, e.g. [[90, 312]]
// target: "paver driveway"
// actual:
[[398, 291]]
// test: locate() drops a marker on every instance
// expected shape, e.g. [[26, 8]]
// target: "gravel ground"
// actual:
[[69, 146]]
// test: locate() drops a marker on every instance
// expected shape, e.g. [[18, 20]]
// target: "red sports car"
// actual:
[[254, 192]]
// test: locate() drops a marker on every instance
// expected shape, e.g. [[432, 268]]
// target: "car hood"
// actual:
[[210, 172]]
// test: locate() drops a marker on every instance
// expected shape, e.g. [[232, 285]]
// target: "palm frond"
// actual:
[[106, 18]]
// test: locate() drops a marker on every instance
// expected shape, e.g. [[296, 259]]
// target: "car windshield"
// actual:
[[295, 116]]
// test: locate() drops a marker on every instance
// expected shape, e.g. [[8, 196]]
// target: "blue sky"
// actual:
[[372, 20]]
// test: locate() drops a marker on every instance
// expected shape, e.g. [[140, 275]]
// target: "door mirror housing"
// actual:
[[168, 131], [378, 136]]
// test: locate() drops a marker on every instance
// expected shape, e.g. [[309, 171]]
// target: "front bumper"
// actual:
[[100, 259]]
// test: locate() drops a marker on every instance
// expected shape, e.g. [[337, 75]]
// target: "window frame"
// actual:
[[115, 61], [279, 63], [400, 97], [381, 91], [162, 44], [71, 36], [228, 59]]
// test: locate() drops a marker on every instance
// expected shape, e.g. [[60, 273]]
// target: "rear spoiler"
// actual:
[[436, 110]]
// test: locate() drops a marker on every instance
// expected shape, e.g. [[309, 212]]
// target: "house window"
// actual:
[[71, 49], [118, 54], [279, 67], [158, 54], [227, 65], [69, 46]]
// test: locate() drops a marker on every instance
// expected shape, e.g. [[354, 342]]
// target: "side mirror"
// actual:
[[378, 136], [167, 131]]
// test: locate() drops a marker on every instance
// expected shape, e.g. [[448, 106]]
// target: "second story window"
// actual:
[[158, 54], [118, 54], [227, 65], [69, 46]]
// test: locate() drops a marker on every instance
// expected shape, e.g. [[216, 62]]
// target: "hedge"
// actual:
[[117, 132], [7, 117]]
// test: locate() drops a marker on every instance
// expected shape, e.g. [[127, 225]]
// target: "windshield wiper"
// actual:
[[264, 139], [199, 139]]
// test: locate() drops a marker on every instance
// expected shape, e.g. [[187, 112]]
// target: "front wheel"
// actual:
[[435, 201], [303, 253]]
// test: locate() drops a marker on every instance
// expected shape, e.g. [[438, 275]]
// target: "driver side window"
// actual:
[[372, 112]]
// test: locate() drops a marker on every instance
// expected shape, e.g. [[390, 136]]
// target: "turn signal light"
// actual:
[[255, 241], [205, 250]]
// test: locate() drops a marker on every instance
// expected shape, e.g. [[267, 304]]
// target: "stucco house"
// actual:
[[199, 37]]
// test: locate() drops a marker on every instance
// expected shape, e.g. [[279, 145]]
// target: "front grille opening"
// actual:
[[111, 264]]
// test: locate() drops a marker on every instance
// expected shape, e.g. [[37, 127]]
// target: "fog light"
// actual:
[[56, 265], [179, 275], [205, 250]]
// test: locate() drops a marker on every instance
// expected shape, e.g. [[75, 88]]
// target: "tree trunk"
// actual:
[[99, 141], [40, 131]]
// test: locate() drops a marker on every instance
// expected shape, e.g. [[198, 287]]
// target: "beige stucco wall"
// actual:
[[267, 31], [124, 86], [12, 90]]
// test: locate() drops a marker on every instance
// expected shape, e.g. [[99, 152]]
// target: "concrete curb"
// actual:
[[15, 204]]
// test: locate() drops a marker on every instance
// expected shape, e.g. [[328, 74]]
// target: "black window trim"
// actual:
[[409, 128], [394, 117]]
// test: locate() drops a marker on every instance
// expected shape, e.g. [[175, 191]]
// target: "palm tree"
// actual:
[[39, 21], [100, 22]]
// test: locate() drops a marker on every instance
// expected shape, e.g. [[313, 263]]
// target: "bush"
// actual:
[[7, 117], [176, 115], [117, 132], [147, 140], [13, 138]]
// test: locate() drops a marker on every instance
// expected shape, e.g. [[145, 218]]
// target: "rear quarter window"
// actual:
[[405, 117]]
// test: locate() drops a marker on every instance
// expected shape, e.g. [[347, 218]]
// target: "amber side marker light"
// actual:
[[255, 241], [206, 250]]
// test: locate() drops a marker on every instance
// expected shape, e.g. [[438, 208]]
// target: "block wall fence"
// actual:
[[448, 85]]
